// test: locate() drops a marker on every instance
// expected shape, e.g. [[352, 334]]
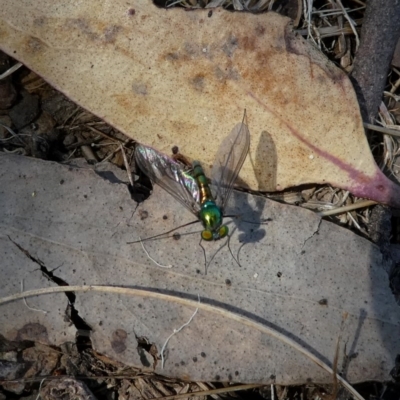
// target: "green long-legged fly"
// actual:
[[190, 186]]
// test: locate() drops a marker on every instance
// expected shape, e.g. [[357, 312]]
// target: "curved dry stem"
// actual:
[[191, 303], [351, 207]]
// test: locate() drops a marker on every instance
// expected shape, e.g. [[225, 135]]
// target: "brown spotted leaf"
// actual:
[[176, 77]]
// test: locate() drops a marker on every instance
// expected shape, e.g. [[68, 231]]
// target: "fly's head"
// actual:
[[208, 235], [211, 217]]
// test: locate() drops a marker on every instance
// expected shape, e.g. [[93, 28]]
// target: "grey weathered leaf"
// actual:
[[298, 274]]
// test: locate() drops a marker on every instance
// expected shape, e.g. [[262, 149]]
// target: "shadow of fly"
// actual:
[[190, 186]]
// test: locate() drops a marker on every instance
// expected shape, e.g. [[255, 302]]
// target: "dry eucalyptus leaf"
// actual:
[[176, 77], [297, 273]]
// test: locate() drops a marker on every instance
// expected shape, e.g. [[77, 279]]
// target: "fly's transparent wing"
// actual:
[[228, 162], [170, 176]]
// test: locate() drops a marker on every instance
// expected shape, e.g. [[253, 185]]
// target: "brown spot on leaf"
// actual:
[[34, 45], [139, 88], [192, 49], [100, 32], [127, 102], [176, 236], [172, 56], [143, 214], [230, 73], [34, 332], [260, 30], [198, 82], [110, 33], [248, 43], [230, 46], [82, 25], [118, 341], [39, 21], [292, 42]]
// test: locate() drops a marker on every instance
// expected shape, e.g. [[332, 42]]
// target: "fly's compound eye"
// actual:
[[223, 231], [207, 235]]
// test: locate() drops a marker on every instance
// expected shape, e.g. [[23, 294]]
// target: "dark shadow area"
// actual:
[[109, 176], [247, 218], [283, 7], [139, 192], [141, 189]]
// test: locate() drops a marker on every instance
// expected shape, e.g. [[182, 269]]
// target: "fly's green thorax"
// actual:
[[210, 214]]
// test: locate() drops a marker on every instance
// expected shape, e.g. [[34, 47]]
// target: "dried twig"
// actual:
[[205, 307], [151, 258], [11, 70], [174, 333]]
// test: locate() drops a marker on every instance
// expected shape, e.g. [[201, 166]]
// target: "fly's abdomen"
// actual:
[[210, 214], [198, 174]]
